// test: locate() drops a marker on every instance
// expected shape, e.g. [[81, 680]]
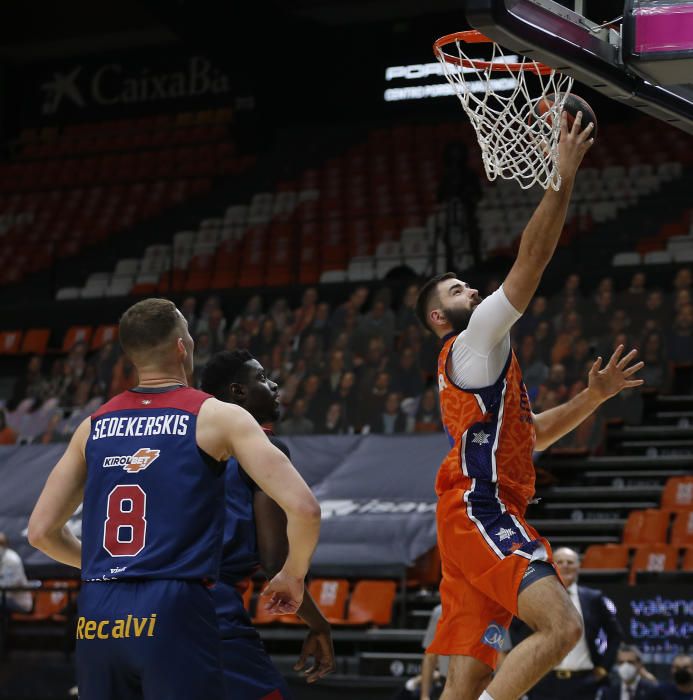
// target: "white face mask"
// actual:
[[627, 671]]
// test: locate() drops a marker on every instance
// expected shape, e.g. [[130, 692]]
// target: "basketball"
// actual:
[[573, 105]]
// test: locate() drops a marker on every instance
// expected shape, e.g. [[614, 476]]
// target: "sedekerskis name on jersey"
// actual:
[[140, 426]]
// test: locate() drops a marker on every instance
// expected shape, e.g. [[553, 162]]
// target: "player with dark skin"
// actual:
[[251, 389]]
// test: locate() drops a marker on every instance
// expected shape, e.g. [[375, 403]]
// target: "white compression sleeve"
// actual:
[[481, 350]]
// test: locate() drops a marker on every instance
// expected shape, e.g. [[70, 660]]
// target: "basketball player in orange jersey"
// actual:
[[495, 565]]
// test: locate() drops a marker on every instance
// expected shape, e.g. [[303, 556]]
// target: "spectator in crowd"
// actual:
[[681, 338], [580, 674], [634, 682], [334, 422], [266, 340], [372, 404], [681, 687], [538, 312], [53, 431], [316, 398], [375, 360], [568, 296], [203, 351], [618, 327], [406, 314], [12, 575], [310, 352], [348, 400], [296, 423], [304, 314], [7, 435], [569, 332], [655, 370], [334, 371], [653, 311], [428, 414], [632, 300], [103, 363], [350, 309], [407, 376], [249, 321], [534, 371], [281, 314], [543, 339], [391, 420], [378, 322], [30, 386], [213, 324], [320, 325], [577, 360], [188, 308], [683, 279], [597, 321]]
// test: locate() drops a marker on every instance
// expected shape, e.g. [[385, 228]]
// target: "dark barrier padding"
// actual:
[[376, 493]]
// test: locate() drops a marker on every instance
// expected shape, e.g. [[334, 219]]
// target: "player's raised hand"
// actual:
[[616, 376], [285, 594], [317, 644], [574, 143]]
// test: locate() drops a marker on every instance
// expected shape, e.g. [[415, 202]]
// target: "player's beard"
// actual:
[[458, 318]]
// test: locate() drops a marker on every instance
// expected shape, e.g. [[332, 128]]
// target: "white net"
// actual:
[[517, 142]]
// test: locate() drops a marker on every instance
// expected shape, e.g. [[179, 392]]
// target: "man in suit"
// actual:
[[635, 683], [581, 673]]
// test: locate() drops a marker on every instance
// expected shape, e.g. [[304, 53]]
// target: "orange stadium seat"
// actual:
[[330, 596], [646, 527], [371, 602], [10, 342], [76, 334], [682, 530], [678, 493], [654, 557], [104, 334], [49, 604], [605, 556], [36, 341], [687, 563]]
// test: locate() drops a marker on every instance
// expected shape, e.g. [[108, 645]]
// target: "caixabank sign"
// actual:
[[109, 86]]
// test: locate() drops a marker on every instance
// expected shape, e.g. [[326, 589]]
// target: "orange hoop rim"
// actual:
[[474, 36]]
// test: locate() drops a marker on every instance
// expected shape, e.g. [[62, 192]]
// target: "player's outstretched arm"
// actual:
[[60, 497], [540, 237], [553, 424]]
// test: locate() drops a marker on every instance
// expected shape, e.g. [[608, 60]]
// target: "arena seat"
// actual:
[[330, 596], [76, 334], [49, 604], [646, 527], [654, 557], [10, 342], [682, 529], [36, 341], [371, 602], [605, 556], [678, 493], [687, 562], [104, 334]]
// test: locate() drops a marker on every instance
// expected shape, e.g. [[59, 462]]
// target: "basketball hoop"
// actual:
[[517, 142]]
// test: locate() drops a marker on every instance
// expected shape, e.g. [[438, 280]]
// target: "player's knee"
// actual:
[[570, 631]]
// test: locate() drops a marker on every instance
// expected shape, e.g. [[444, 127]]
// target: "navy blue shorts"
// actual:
[[249, 673], [151, 640]]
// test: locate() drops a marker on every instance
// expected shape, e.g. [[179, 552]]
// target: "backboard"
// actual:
[[592, 54]]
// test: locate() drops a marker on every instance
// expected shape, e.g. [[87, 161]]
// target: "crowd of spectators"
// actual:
[[368, 366]]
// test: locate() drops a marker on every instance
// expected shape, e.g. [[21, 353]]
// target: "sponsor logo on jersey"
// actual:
[[124, 628], [133, 463], [140, 426]]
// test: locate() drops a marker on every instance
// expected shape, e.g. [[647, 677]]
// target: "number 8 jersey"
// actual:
[[153, 501]]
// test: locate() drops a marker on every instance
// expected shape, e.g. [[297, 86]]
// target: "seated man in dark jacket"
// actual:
[[634, 682]]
